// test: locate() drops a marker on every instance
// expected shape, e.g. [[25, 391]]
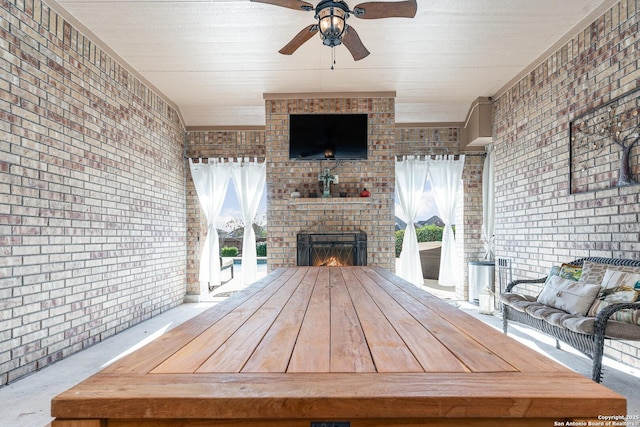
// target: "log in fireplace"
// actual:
[[332, 249]]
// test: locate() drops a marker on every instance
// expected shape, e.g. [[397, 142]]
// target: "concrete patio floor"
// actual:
[[26, 402]]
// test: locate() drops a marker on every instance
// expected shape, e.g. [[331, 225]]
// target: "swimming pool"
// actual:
[[262, 265]]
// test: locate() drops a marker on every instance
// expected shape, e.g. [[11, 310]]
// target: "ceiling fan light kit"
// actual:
[[331, 16]]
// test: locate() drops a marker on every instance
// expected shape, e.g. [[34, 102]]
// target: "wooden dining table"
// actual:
[[334, 347]]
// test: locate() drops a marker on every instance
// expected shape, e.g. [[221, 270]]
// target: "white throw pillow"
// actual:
[[615, 279], [568, 295]]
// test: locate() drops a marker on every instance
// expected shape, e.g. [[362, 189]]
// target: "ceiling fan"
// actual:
[[331, 16]]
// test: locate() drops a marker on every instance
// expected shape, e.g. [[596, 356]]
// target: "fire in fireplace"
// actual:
[[330, 262], [332, 249]]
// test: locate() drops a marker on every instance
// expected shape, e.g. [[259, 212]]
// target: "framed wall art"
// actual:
[[604, 145]]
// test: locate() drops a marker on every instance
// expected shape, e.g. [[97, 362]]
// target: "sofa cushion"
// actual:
[[562, 319], [566, 271], [617, 287], [568, 295], [617, 278], [517, 301], [558, 318], [575, 323], [618, 330], [543, 312], [593, 272]]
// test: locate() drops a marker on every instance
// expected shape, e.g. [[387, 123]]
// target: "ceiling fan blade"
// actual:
[[291, 4], [386, 9], [300, 38], [352, 41]]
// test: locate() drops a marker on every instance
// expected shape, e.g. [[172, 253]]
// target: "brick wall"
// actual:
[[469, 218], [421, 140], [538, 223], [92, 219]]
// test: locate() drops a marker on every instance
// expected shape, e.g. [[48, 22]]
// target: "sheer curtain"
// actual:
[[249, 180], [488, 211], [445, 174], [411, 176], [211, 180]]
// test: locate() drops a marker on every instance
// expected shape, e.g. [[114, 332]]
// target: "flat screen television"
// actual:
[[328, 136]]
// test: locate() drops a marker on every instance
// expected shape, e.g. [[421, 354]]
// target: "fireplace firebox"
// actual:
[[332, 249]]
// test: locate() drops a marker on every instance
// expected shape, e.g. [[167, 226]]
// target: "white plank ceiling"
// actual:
[[214, 59]]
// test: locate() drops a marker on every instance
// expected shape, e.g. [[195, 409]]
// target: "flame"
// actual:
[[331, 262]]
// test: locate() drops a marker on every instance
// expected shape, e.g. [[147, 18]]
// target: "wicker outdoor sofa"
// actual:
[[584, 331]]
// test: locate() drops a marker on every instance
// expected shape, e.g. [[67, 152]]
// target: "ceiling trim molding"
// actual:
[[474, 105], [224, 128], [81, 28], [581, 26], [430, 125], [316, 95]]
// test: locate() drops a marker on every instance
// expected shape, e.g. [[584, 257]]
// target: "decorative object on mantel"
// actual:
[[327, 178], [332, 27], [313, 194], [602, 141], [296, 194], [365, 193]]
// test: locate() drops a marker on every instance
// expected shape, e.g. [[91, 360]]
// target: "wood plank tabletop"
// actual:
[[349, 343]]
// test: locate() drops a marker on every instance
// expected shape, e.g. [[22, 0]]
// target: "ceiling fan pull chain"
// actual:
[[333, 56]]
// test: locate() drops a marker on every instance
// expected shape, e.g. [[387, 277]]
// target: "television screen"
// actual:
[[328, 136]]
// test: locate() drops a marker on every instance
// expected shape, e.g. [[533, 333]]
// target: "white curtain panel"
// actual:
[[249, 180], [211, 180], [445, 175], [411, 176], [488, 204]]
